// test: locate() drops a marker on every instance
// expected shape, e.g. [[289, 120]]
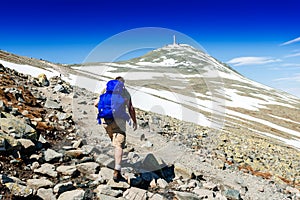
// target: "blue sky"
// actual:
[[259, 39]]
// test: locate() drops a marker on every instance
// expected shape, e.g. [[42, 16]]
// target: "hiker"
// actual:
[[115, 124]]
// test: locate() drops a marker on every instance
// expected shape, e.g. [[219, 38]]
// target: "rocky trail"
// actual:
[[52, 148]]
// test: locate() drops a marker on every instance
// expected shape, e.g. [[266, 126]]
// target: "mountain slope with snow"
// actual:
[[190, 85]]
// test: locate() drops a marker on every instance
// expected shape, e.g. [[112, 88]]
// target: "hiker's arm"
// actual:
[[96, 102], [131, 111]]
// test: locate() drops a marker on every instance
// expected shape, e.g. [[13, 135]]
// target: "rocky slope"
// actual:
[[52, 148]]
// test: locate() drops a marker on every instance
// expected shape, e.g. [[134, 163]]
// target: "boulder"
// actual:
[[47, 169], [52, 104], [137, 193], [67, 170], [42, 79], [162, 183], [19, 190], [186, 196], [88, 168], [77, 153], [46, 194], [104, 160], [9, 143], [27, 145], [232, 194], [119, 185], [72, 195], [63, 187], [106, 190], [182, 171], [39, 183], [21, 129], [51, 155], [106, 173]]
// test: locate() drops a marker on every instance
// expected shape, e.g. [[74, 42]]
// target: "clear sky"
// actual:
[[258, 38]]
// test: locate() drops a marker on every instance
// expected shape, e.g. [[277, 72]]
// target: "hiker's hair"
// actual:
[[120, 78]]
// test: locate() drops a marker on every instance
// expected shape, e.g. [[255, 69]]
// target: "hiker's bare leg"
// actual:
[[118, 157]]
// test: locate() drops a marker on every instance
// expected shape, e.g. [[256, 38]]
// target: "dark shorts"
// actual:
[[116, 130]]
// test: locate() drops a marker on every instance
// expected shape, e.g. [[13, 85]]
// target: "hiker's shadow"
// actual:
[[147, 170]]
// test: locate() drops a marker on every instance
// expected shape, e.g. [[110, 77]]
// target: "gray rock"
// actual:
[[77, 144], [21, 129], [75, 153], [46, 194], [106, 190], [183, 187], [106, 173], [46, 169], [39, 183], [67, 170], [136, 193], [63, 116], [88, 168], [51, 155], [232, 194], [72, 195], [19, 190], [52, 105], [36, 157], [67, 148], [162, 183], [105, 160], [119, 185], [42, 140], [34, 165], [63, 187], [185, 196], [59, 88], [182, 171], [106, 197], [155, 196], [27, 145], [88, 149], [25, 112]]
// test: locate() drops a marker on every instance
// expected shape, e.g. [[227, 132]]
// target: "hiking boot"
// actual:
[[117, 176]]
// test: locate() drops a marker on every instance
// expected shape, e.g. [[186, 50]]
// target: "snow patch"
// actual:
[[28, 69]]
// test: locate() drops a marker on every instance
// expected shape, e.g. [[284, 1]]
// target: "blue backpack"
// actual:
[[112, 104]]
